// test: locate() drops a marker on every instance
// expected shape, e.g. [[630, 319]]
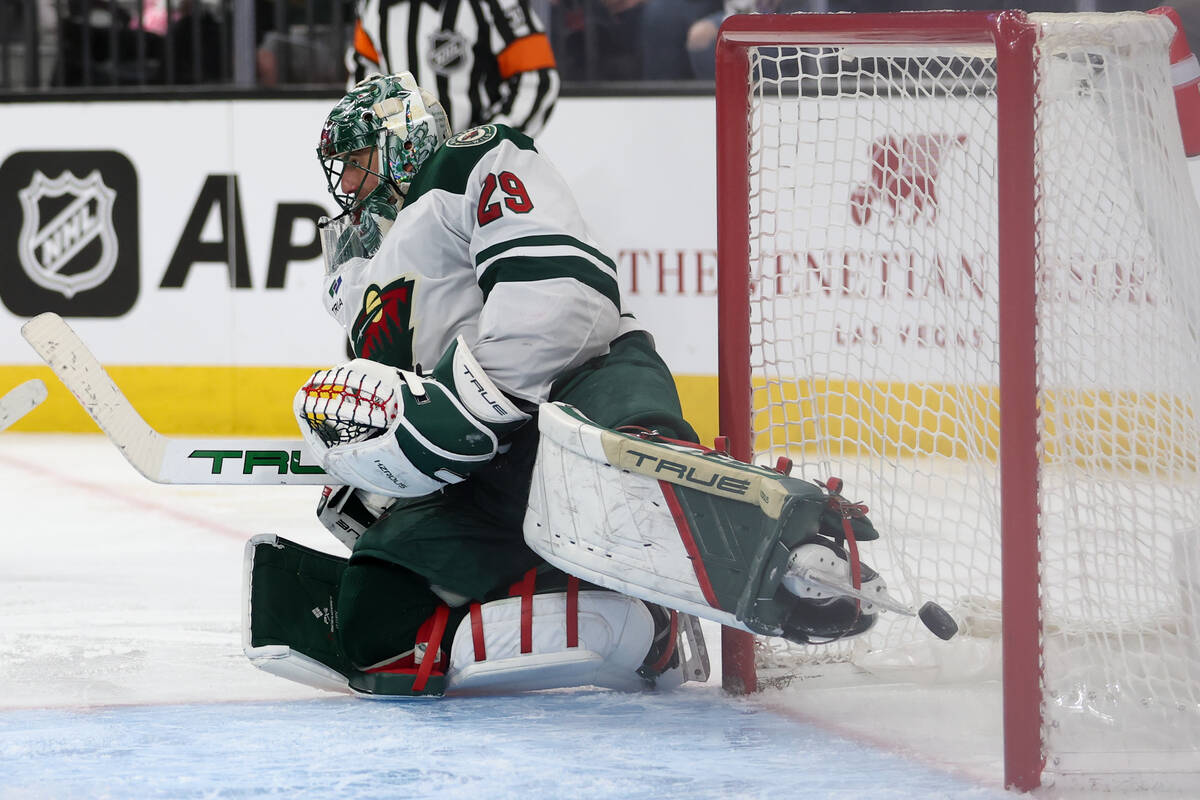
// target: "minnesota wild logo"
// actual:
[[474, 136], [383, 327]]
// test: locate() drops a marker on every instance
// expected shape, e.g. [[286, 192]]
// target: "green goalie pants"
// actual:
[[468, 539]]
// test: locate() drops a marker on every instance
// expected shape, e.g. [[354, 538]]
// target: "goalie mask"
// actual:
[[372, 145]]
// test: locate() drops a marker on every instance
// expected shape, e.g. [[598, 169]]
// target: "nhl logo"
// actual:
[[447, 52], [67, 243]]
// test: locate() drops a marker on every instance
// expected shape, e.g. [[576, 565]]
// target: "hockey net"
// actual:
[[923, 258]]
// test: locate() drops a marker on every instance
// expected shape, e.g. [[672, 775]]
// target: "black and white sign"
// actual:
[[75, 219]]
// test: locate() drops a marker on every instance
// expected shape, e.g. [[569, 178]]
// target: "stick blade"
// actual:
[[79, 370], [20, 401]]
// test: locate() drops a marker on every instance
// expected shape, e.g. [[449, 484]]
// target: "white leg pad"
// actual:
[[284, 662], [614, 634], [592, 515]]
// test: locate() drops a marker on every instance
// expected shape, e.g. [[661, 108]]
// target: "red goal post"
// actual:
[[750, 210]]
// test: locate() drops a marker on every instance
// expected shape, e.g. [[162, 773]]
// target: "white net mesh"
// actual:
[[873, 221]]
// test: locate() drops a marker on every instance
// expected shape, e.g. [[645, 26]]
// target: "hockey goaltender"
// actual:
[[525, 506]]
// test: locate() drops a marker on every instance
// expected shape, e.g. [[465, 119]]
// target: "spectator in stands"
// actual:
[[302, 41], [154, 17], [28, 43], [487, 61], [702, 35], [602, 40], [666, 31], [85, 36], [194, 32], [701, 42]]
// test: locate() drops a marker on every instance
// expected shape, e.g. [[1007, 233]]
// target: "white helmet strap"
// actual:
[[390, 112]]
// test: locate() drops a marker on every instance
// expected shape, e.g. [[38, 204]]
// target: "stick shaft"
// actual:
[[20, 401], [159, 458]]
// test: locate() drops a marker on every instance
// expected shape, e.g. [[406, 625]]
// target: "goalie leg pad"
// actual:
[[546, 641], [691, 530], [289, 614], [529, 642], [290, 626], [574, 638], [502, 647]]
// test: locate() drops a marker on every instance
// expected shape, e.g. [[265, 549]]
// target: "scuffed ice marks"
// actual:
[[686, 744], [30, 660]]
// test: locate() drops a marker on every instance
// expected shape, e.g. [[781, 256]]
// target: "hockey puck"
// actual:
[[938, 620]]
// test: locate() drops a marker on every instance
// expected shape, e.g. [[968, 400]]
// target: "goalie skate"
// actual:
[[816, 572], [694, 664], [677, 653], [698, 531]]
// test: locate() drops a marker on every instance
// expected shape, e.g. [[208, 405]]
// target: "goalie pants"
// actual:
[[468, 539]]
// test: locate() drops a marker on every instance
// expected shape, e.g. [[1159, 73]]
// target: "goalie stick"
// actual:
[[160, 458], [20, 401]]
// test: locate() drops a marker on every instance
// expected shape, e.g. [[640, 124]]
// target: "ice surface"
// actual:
[[579, 744], [121, 675]]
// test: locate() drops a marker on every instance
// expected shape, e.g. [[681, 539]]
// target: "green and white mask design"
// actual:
[[393, 127]]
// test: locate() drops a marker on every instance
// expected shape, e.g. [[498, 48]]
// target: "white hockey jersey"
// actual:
[[489, 244]]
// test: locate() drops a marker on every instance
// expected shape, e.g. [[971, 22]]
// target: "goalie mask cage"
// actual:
[[958, 269]]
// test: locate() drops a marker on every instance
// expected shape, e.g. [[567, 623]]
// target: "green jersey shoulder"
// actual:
[[450, 166]]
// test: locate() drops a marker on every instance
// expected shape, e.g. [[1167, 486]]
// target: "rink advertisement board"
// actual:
[[179, 239]]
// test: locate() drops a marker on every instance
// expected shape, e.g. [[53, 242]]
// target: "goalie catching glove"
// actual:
[[401, 434]]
